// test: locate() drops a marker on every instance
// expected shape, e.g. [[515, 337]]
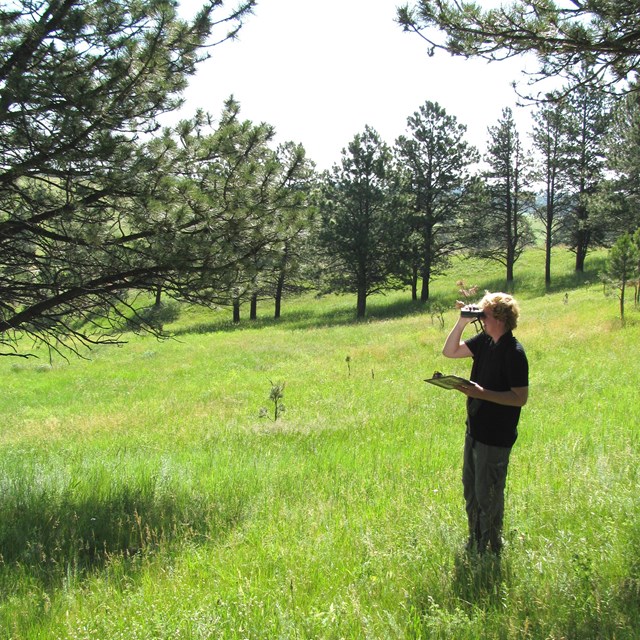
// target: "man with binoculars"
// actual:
[[498, 389]]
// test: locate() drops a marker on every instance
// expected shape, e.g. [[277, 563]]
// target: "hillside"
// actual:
[[148, 492]]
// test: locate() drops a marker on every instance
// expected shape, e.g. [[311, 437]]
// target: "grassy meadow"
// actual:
[[145, 493]]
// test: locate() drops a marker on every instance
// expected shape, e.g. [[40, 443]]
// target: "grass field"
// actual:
[[144, 496]]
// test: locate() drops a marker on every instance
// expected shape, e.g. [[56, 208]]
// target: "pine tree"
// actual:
[[361, 226], [618, 203], [588, 119], [622, 266], [236, 203], [81, 84], [436, 162], [500, 230], [562, 35], [550, 141]]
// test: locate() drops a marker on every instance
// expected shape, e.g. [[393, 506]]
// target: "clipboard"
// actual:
[[446, 382]]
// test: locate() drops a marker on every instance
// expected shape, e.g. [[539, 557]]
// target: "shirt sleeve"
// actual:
[[473, 343], [518, 367]]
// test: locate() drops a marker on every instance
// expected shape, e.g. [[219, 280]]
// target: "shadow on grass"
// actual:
[[378, 309], [479, 579], [629, 588], [534, 286], [308, 319], [474, 583], [53, 536]]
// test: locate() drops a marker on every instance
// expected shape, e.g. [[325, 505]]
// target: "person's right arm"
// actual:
[[454, 346]]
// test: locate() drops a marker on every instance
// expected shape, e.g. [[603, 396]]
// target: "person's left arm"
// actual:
[[514, 397]]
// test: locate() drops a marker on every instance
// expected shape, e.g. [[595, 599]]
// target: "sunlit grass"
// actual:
[[145, 497]]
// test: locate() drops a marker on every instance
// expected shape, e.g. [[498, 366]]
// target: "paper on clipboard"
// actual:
[[446, 382]]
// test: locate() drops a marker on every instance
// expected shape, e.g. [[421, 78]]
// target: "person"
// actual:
[[498, 389]]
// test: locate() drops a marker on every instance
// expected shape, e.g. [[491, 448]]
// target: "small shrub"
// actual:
[[276, 395]]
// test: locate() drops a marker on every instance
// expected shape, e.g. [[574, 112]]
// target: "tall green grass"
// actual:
[[143, 496]]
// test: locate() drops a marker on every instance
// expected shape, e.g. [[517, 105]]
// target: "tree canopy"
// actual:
[[82, 199], [564, 35], [622, 265], [500, 229], [361, 230], [437, 180]]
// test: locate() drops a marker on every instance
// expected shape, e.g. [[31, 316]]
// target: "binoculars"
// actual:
[[472, 311]]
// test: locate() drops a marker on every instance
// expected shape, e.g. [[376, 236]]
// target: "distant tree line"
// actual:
[[99, 208], [578, 176]]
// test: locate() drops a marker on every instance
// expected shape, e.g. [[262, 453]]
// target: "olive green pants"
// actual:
[[484, 477]]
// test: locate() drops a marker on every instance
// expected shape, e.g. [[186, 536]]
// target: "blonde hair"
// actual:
[[504, 308]]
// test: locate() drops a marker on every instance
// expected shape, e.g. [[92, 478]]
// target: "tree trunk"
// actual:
[[427, 258], [510, 264], [424, 292], [547, 260], [581, 254], [281, 280], [426, 278], [582, 239], [548, 239], [512, 221], [278, 296], [253, 309], [362, 302], [236, 310]]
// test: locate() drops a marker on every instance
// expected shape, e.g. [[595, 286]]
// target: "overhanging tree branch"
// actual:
[[86, 211], [604, 35]]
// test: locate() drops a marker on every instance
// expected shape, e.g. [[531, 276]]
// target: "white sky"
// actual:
[[320, 70]]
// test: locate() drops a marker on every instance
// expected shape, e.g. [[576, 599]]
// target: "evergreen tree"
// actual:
[[361, 227], [500, 230], [588, 119], [81, 83], [618, 202], [279, 267], [292, 257], [550, 140], [562, 35], [236, 202], [622, 266], [435, 159]]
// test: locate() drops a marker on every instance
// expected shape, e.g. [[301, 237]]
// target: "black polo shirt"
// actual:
[[497, 367]]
